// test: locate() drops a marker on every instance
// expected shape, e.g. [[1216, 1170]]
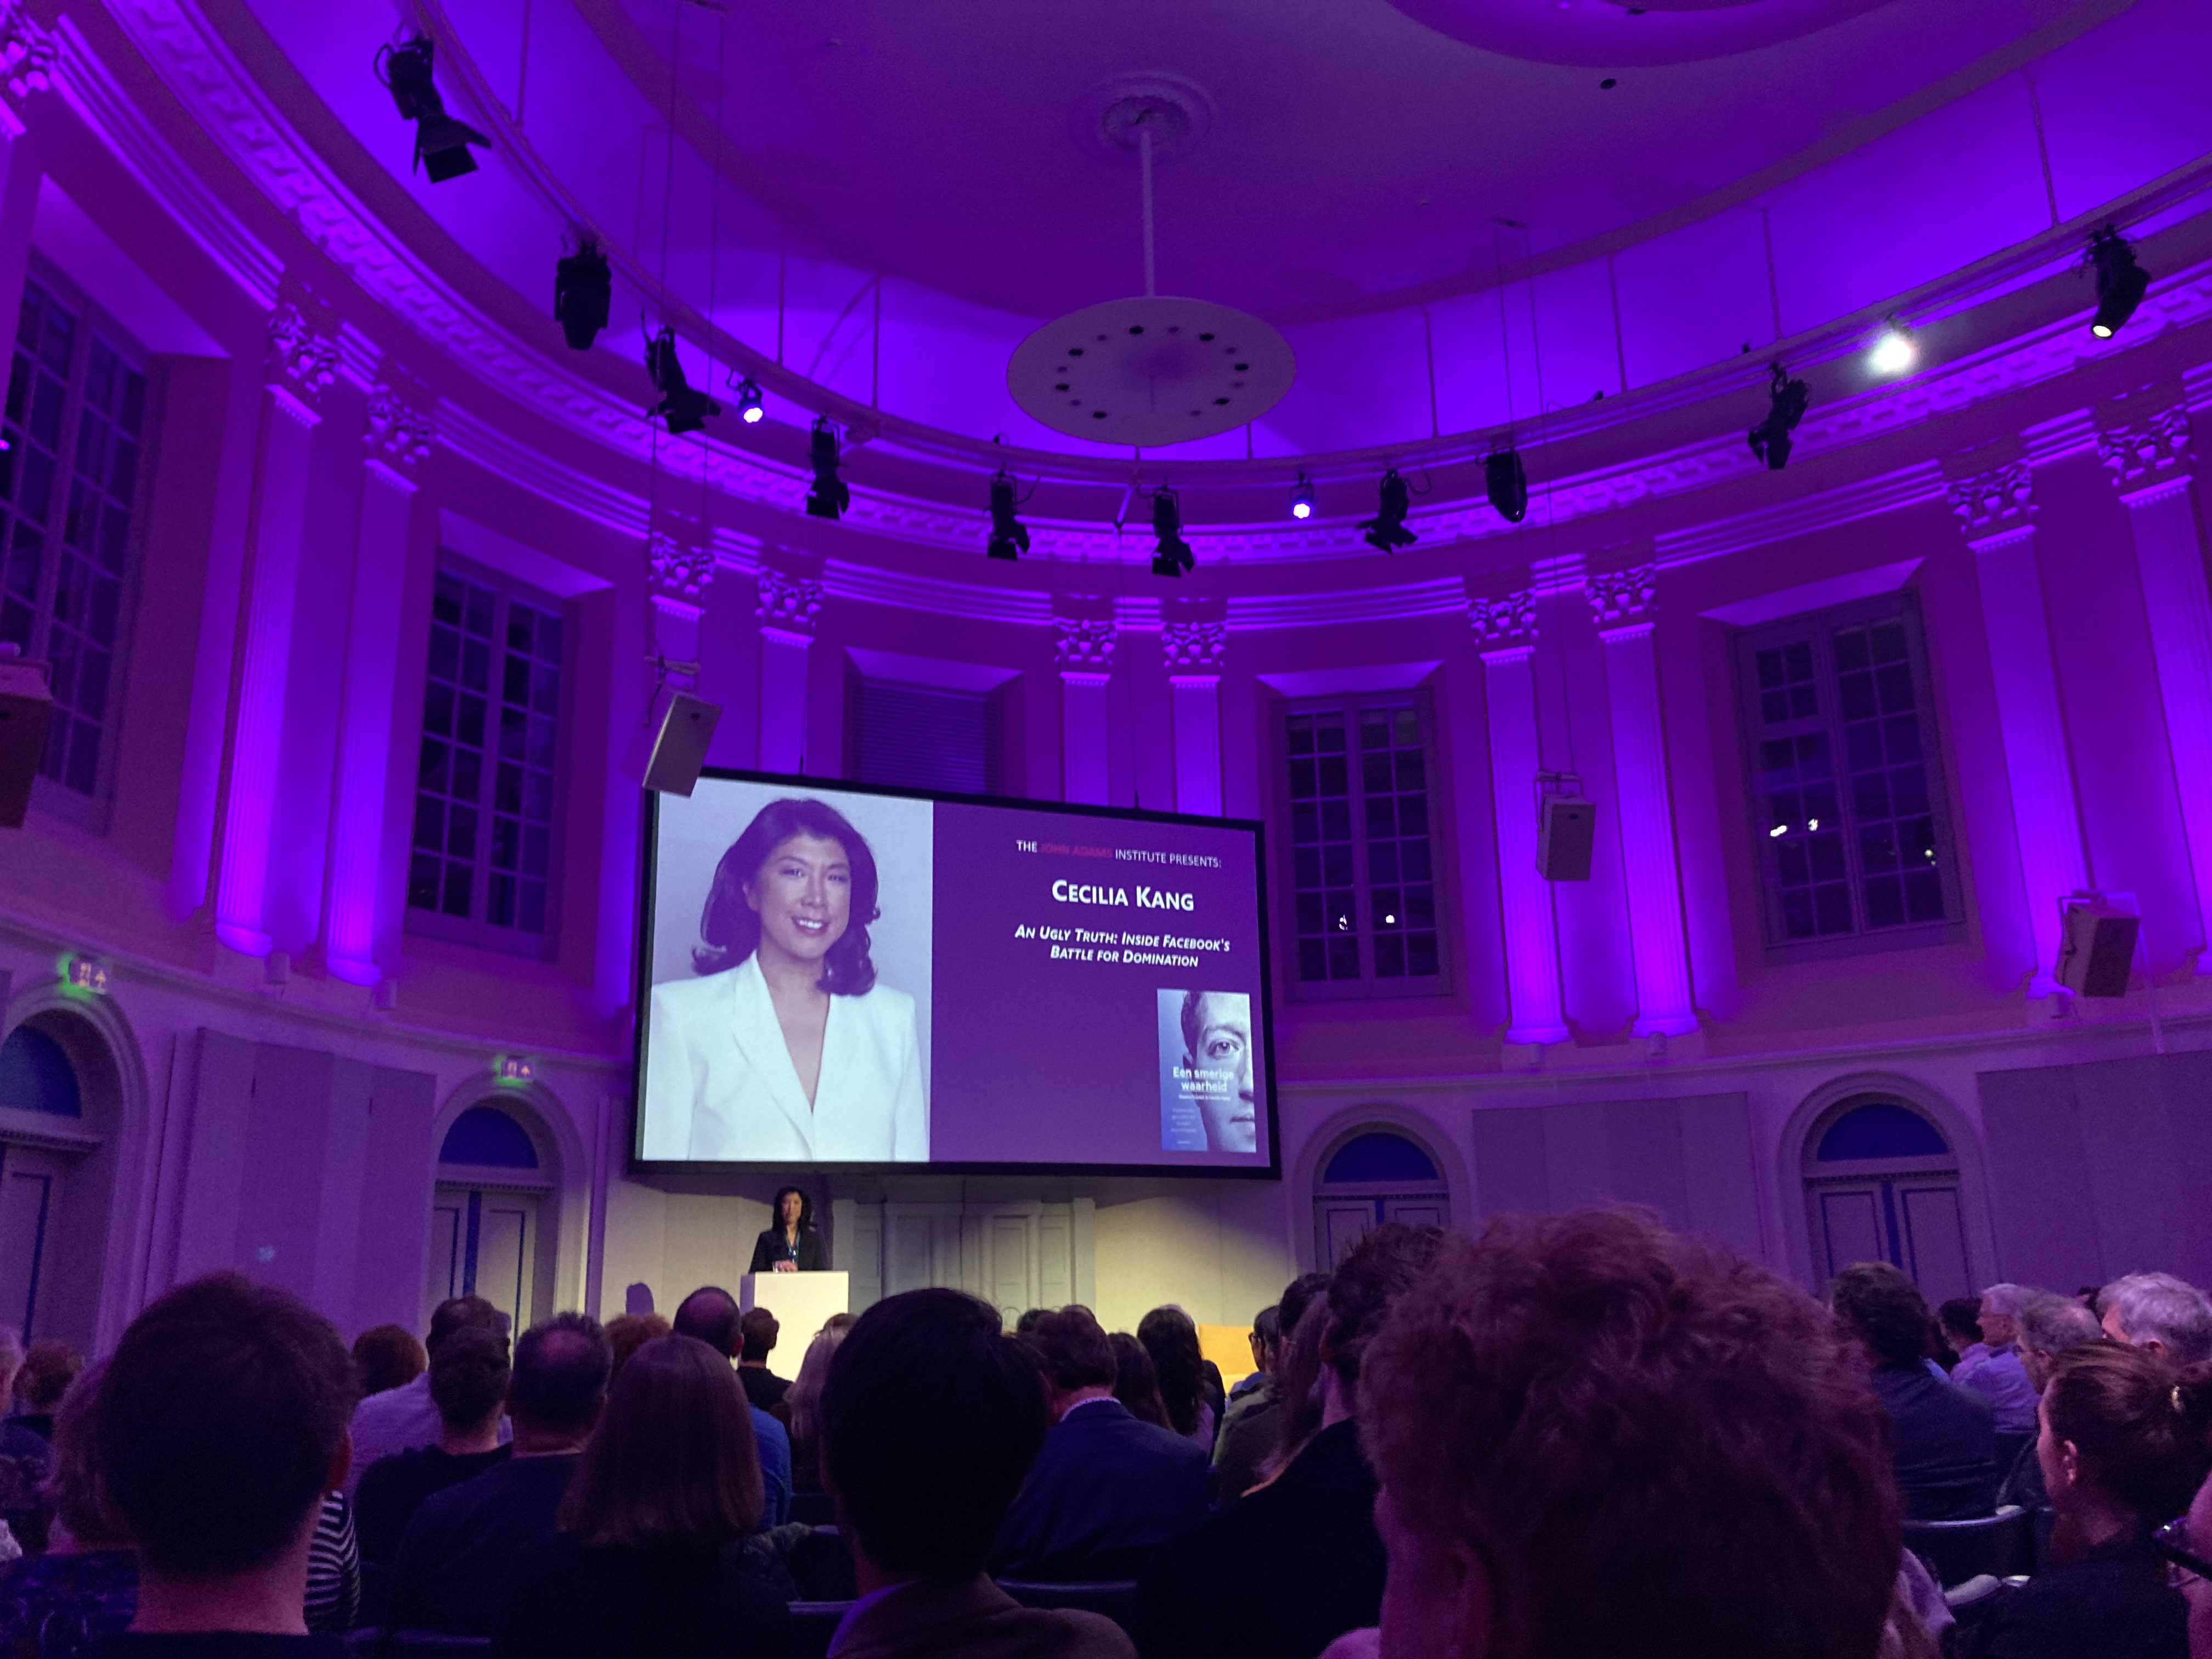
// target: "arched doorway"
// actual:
[[487, 1216], [59, 1101], [1881, 1184], [1376, 1175]]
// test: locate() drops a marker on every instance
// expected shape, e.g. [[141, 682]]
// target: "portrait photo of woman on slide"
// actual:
[[786, 1048]]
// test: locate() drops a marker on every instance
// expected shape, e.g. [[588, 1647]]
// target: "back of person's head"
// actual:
[[1170, 1336], [1136, 1383], [628, 1333], [220, 1424], [387, 1357], [73, 1487], [756, 1332], [1653, 1449], [2051, 1324], [1300, 1382], [1028, 1322], [562, 1367], [1884, 1309], [2005, 1298], [469, 1378], [2163, 1309], [50, 1365], [1268, 1330], [11, 1357], [1374, 1272], [673, 1462], [1961, 1317], [1073, 1351], [802, 1402], [2132, 1423], [930, 1419], [1297, 1296], [709, 1315], [461, 1312]]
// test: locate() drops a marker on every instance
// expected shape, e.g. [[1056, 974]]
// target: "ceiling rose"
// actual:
[[1617, 34]]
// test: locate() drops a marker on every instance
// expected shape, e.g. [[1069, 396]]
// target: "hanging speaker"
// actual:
[[26, 706], [1566, 829], [2097, 949], [679, 748]]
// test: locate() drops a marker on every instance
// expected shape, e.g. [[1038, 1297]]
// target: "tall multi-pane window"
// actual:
[[1363, 864], [481, 865], [69, 478], [1846, 801]]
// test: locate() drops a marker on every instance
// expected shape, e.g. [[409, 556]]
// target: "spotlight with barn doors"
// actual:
[[2121, 283], [1010, 536], [1895, 351], [1506, 481], [583, 289], [1770, 440], [442, 140], [1171, 554], [1386, 531], [1302, 498], [752, 408], [828, 495], [681, 406]]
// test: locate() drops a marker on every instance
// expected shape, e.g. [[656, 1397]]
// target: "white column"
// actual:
[[398, 438], [1994, 510], [1193, 652], [1085, 653], [1622, 604], [788, 606], [2150, 464], [302, 362], [1508, 628]]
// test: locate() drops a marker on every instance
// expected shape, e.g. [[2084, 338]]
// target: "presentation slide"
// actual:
[[839, 976]]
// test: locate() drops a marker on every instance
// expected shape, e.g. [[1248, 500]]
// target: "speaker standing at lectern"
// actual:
[[792, 1246]]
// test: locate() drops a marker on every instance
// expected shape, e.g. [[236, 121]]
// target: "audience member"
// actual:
[[1028, 1322], [710, 1314], [802, 1405], [49, 1366], [1106, 1490], [1959, 1323], [648, 1559], [1597, 1438], [456, 1554], [1172, 1338], [1253, 1428], [24, 1457], [1287, 1569], [757, 1333], [400, 1419], [2123, 1449], [334, 1567], [1266, 1340], [468, 1383], [930, 1419], [628, 1333], [1996, 1372], [1136, 1384], [387, 1357], [84, 1587], [2046, 1326], [219, 1430], [1943, 1436], [2159, 1312]]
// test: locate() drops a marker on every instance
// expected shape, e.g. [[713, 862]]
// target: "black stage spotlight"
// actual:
[[829, 495], [1770, 440], [1302, 498], [583, 289], [681, 406], [442, 140], [1171, 555], [1010, 536], [1387, 529], [752, 408], [441, 147], [1507, 481], [2121, 283]]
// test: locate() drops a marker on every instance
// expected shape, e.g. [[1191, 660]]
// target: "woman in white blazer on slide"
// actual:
[[785, 1049]]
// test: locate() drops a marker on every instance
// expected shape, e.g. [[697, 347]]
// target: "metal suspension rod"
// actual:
[[1145, 169]]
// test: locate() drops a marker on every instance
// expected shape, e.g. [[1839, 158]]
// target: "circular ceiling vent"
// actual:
[[1618, 34], [1151, 371]]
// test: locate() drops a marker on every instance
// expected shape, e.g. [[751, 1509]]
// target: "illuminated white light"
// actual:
[[1390, 922], [1812, 824], [755, 413], [1895, 352], [1778, 830]]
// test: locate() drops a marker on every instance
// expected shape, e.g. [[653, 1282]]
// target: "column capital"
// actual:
[[1080, 644], [302, 361], [1506, 623], [27, 52], [1622, 598], [788, 604], [2149, 454], [396, 438], [1194, 645], [1995, 503], [683, 570]]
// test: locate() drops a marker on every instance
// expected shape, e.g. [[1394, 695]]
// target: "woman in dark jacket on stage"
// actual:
[[792, 1245]]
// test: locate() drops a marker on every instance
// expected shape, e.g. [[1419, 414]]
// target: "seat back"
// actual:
[[821, 1568], [1115, 1598], [429, 1643], [812, 1625], [816, 1509], [1998, 1545]]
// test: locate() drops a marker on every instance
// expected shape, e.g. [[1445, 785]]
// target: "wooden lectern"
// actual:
[[802, 1303]]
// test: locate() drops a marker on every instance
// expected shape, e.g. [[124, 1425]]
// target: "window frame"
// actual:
[[1368, 987], [476, 930], [90, 811], [991, 703], [1821, 627]]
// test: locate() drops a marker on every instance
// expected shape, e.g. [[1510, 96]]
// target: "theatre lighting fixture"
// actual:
[[1507, 481], [2121, 283], [442, 140], [1302, 498], [751, 409], [1387, 530], [1786, 399], [583, 289], [1895, 351], [1171, 554], [829, 495], [1010, 536], [682, 406]]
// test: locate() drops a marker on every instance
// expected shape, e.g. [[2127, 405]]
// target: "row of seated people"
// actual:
[[1583, 1436]]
